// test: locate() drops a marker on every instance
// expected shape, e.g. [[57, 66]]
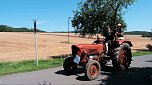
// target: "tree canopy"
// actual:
[[93, 16]]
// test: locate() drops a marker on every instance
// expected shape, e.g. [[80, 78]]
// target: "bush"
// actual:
[[147, 35]]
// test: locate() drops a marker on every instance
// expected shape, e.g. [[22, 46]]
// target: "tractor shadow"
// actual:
[[80, 72], [76, 72], [62, 72], [134, 76], [104, 70]]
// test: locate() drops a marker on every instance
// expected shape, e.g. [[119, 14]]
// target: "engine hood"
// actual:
[[89, 48]]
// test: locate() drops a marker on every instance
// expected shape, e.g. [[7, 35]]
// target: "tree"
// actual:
[[94, 16]]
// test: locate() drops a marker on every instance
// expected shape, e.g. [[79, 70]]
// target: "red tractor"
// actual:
[[91, 56]]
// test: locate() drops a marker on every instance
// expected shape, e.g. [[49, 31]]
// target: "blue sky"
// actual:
[[139, 16], [52, 15]]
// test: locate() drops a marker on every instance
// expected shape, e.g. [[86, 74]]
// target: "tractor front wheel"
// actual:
[[92, 69], [69, 66]]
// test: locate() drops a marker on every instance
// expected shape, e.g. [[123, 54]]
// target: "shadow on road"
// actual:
[[80, 72], [135, 76], [62, 72], [149, 61], [104, 69], [76, 72]]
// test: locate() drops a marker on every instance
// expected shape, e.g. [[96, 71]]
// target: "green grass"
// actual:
[[30, 65], [140, 53], [26, 66]]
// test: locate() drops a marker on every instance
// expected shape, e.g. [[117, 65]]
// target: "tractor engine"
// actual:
[[82, 52]]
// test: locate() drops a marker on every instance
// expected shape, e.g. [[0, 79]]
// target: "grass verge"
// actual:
[[140, 53], [30, 65], [26, 66]]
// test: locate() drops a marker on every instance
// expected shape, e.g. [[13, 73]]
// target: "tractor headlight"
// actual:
[[77, 59], [90, 57]]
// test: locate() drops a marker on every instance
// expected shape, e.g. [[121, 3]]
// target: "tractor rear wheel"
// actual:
[[122, 57], [69, 66], [92, 69]]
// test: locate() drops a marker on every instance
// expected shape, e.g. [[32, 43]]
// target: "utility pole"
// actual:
[[68, 29], [35, 41], [151, 34]]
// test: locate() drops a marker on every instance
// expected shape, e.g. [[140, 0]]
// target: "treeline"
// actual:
[[5, 28], [143, 33], [62, 32]]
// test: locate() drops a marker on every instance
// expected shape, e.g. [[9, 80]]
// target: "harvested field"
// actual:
[[20, 46]]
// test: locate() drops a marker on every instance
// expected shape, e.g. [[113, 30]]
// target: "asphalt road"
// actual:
[[138, 74]]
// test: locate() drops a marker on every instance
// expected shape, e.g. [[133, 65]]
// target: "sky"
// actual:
[[52, 15]]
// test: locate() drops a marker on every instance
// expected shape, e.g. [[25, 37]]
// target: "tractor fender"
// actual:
[[128, 42]]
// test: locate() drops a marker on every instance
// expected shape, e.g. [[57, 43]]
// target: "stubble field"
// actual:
[[20, 46]]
